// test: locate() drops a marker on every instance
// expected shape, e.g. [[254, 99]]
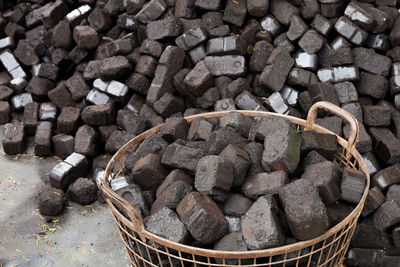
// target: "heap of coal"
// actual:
[[84, 77]]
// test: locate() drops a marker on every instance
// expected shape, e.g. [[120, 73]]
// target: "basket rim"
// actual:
[[143, 233]]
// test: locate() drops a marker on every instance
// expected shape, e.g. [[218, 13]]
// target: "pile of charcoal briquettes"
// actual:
[[238, 183], [83, 77]]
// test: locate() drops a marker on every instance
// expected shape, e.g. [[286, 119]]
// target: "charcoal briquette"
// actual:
[[63, 145], [374, 199], [98, 114], [261, 52], [376, 115], [170, 63], [85, 37], [278, 66], [191, 38], [346, 92], [148, 172], [283, 11], [276, 103], [261, 226], [26, 54], [67, 121], [171, 196], [240, 161], [368, 236], [306, 61], [168, 105], [174, 129], [264, 183], [231, 45], [372, 85], [258, 8], [77, 86], [39, 86], [225, 104], [202, 217], [386, 145], [234, 88], [4, 112], [180, 156], [99, 19], [83, 191], [138, 82], [54, 13], [300, 199], [151, 11], [233, 241], [364, 257], [51, 201], [5, 93], [164, 28], [360, 15], [352, 185], [184, 8], [282, 41], [323, 143], [77, 15], [47, 112], [384, 178], [207, 100], [152, 144], [14, 138], [200, 130], [350, 31], [116, 140], [235, 12], [62, 35], [326, 177], [371, 162], [214, 176], [369, 60], [165, 223], [301, 77], [321, 25], [324, 91], [173, 176], [199, 79], [130, 122], [282, 146], [134, 195], [135, 103], [42, 142], [271, 25], [387, 215], [296, 29], [230, 65], [233, 223], [236, 205], [86, 141]]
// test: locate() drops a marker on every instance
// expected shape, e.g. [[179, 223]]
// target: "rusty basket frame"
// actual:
[[147, 249]]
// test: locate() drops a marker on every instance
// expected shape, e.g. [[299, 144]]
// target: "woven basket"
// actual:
[[147, 249]]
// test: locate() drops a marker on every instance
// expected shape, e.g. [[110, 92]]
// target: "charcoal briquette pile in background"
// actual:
[[83, 77]]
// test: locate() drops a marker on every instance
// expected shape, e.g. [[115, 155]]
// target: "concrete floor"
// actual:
[[81, 236]]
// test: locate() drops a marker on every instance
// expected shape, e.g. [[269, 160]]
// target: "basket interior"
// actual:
[[147, 249]]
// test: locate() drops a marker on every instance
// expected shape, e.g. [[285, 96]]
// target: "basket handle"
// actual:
[[341, 113], [130, 211]]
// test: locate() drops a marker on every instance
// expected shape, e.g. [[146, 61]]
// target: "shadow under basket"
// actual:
[[147, 249]]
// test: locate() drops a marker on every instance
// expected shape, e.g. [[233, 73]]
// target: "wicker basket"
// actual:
[[147, 249]]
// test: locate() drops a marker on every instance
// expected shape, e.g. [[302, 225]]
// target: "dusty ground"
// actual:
[[81, 236]]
